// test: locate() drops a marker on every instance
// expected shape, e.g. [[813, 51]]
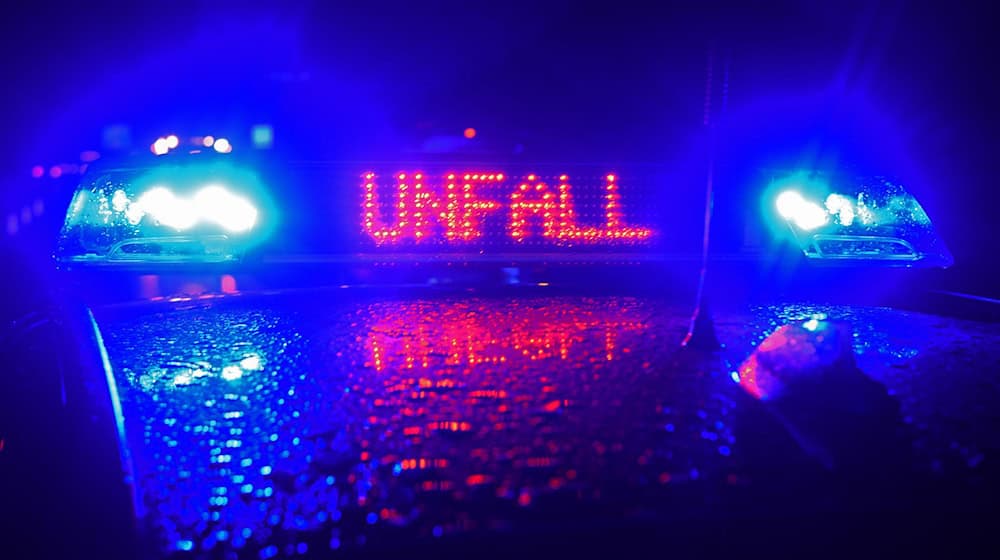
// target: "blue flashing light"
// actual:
[[193, 213], [870, 219], [803, 213], [213, 203]]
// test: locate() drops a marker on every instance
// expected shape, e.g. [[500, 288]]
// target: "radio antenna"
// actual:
[[701, 332]]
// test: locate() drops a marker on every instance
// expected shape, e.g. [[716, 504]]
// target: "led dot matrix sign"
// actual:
[[454, 208]]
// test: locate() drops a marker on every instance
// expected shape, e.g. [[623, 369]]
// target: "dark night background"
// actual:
[[904, 88]]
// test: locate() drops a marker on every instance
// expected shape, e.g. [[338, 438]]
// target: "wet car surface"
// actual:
[[298, 424]]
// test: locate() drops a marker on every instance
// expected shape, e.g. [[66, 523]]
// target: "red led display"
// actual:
[[453, 207], [414, 341]]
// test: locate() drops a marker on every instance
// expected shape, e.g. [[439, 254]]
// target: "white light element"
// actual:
[[226, 209], [167, 209], [787, 203], [172, 141], [841, 206], [865, 214], [811, 325], [182, 379], [222, 146], [251, 363], [119, 201], [134, 214], [160, 147], [212, 204], [805, 214], [232, 373]]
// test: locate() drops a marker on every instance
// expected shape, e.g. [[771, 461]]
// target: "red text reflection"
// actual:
[[453, 207], [420, 337]]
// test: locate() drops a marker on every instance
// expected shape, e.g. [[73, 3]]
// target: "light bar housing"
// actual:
[[199, 213], [869, 219]]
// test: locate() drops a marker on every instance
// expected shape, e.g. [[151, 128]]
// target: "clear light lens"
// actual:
[[166, 214], [871, 219]]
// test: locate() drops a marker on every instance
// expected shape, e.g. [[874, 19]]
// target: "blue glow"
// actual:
[[840, 206], [119, 201], [805, 214], [160, 204], [210, 212], [251, 363], [262, 136], [213, 204], [866, 219]]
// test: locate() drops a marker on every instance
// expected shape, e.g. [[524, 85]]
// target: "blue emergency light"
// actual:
[[205, 212], [869, 219]]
